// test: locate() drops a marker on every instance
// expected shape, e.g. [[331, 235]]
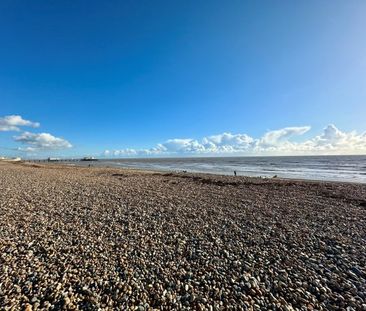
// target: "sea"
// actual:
[[327, 168]]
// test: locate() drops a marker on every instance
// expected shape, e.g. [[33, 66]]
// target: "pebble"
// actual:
[[107, 239]]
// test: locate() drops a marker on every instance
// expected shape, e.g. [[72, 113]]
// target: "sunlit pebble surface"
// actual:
[[107, 239]]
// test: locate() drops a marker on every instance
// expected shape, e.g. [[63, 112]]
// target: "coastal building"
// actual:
[[53, 159], [10, 159]]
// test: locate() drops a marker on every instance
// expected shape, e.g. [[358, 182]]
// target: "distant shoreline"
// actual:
[[165, 171], [323, 168]]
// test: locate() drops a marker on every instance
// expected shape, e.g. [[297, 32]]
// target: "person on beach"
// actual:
[[234, 173]]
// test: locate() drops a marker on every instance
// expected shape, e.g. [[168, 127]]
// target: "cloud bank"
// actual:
[[277, 142], [32, 142], [13, 122], [41, 141]]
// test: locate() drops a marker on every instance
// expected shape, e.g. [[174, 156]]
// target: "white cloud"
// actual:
[[13, 122], [41, 141], [227, 142], [277, 142], [273, 138], [182, 145], [32, 142], [332, 139]]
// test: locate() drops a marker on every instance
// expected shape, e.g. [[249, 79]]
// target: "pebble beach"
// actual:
[[74, 238]]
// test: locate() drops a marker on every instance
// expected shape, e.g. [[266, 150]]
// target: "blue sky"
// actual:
[[138, 75]]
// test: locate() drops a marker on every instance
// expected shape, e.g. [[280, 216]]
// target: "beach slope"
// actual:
[[96, 238]]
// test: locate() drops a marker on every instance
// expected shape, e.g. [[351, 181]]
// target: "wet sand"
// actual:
[[109, 239]]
